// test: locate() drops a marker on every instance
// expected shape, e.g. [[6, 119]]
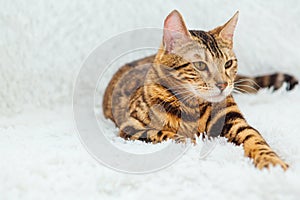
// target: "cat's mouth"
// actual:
[[214, 96]]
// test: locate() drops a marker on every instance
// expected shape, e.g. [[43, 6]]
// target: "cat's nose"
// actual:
[[222, 85]]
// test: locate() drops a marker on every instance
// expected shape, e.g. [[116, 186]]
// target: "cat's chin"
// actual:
[[215, 99], [213, 95]]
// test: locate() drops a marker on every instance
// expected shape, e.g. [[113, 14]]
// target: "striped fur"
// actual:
[[275, 81], [177, 96]]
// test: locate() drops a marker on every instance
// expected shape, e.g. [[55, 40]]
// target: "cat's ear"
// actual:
[[174, 31], [226, 31]]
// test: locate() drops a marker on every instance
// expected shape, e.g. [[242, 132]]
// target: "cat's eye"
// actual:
[[201, 66], [228, 64]]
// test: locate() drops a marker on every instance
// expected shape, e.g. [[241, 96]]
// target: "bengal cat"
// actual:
[[185, 90]]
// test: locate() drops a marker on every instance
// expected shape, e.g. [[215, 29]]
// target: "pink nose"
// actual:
[[222, 85]]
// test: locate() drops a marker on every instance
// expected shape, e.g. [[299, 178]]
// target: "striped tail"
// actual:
[[245, 84]]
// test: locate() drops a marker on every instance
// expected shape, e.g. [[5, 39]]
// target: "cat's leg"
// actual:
[[230, 123], [135, 130], [247, 84]]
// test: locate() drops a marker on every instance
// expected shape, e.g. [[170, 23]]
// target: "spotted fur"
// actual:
[[185, 90]]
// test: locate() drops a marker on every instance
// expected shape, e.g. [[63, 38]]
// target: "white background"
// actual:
[[43, 44]]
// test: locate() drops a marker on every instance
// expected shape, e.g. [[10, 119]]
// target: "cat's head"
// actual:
[[201, 62]]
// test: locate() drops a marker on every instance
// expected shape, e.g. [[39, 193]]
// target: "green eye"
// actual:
[[201, 66], [228, 64]]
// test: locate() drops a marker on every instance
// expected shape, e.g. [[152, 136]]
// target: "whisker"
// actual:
[[247, 79], [177, 94], [166, 100], [241, 90], [248, 86], [188, 97], [194, 86]]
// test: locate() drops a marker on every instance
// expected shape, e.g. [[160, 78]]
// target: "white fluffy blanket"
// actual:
[[43, 44]]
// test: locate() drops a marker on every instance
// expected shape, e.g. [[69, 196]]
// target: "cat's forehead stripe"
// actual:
[[209, 41]]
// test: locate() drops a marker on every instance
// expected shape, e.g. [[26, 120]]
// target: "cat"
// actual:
[[185, 90]]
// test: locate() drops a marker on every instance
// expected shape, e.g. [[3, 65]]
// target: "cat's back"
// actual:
[[122, 85]]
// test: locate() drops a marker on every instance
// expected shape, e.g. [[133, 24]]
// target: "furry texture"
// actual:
[[43, 46]]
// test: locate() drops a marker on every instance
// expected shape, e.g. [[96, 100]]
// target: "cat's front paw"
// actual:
[[266, 161]]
